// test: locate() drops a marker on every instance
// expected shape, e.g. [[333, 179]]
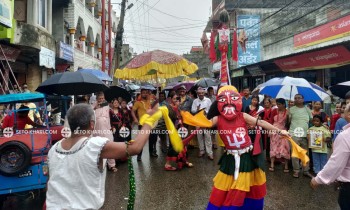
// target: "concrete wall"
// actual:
[[31, 36], [58, 30], [34, 77]]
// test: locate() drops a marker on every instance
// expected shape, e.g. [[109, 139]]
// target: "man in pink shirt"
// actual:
[[338, 166]]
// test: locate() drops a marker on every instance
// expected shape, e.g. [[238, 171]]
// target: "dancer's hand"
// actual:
[[313, 183]]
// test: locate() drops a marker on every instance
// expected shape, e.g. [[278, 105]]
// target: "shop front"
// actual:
[[324, 67]]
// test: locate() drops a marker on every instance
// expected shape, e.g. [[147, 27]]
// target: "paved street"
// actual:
[[190, 188]]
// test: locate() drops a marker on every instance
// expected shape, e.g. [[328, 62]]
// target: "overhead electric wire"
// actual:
[[294, 20], [170, 27], [156, 40], [166, 48], [287, 5], [139, 17], [292, 35], [171, 34], [174, 16]]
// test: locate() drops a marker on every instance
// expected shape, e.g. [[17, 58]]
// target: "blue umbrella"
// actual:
[[288, 87], [98, 73], [131, 87], [147, 87]]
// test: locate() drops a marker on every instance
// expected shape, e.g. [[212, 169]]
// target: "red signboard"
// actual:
[[11, 53], [327, 58], [332, 30]]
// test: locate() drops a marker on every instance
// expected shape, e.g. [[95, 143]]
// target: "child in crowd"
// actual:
[[320, 133]]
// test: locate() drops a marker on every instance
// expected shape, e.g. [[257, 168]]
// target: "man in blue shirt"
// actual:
[[246, 99]]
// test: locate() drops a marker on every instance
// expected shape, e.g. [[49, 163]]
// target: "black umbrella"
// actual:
[[116, 92], [207, 82], [340, 89], [72, 83]]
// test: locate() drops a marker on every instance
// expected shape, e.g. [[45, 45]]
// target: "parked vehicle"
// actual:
[[23, 153]]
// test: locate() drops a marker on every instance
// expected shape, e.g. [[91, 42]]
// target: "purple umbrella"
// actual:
[[188, 85]]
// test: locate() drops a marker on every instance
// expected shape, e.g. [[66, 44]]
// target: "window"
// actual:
[[42, 13]]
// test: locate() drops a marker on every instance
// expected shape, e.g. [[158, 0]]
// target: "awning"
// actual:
[[321, 59]]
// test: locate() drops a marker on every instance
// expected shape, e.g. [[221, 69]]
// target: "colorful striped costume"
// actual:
[[241, 181]]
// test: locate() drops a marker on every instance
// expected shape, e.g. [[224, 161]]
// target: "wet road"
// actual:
[[190, 188]]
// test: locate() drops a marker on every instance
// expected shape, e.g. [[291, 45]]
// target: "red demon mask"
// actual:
[[229, 102]]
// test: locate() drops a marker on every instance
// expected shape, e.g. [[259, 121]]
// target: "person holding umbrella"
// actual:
[[299, 118]]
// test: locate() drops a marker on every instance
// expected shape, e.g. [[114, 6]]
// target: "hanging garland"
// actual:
[[132, 185]]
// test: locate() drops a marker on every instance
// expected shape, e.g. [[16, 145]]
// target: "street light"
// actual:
[[129, 6]]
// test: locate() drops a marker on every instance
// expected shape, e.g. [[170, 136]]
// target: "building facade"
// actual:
[[289, 38], [41, 37], [79, 24], [27, 46]]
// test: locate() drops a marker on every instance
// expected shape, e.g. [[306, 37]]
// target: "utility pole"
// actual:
[[109, 37], [119, 37], [103, 34]]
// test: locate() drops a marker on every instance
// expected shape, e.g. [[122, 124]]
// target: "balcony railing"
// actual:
[[85, 60]]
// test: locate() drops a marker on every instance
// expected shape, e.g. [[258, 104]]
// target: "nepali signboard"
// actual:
[[327, 32], [250, 24], [327, 58]]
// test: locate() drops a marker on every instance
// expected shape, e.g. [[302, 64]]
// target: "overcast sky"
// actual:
[[169, 25]]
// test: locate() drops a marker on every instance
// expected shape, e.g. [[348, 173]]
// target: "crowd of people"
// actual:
[[315, 129]]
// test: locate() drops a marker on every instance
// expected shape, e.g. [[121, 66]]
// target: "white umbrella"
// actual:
[[288, 87]]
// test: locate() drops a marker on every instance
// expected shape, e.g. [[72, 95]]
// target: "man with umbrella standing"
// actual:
[[299, 118], [138, 110]]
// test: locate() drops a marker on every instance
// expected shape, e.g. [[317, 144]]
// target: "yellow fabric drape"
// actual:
[[174, 137], [199, 119], [163, 71], [298, 152]]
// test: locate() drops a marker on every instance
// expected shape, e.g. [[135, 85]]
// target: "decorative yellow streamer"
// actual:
[[175, 138], [298, 152], [163, 111], [198, 119], [164, 71]]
